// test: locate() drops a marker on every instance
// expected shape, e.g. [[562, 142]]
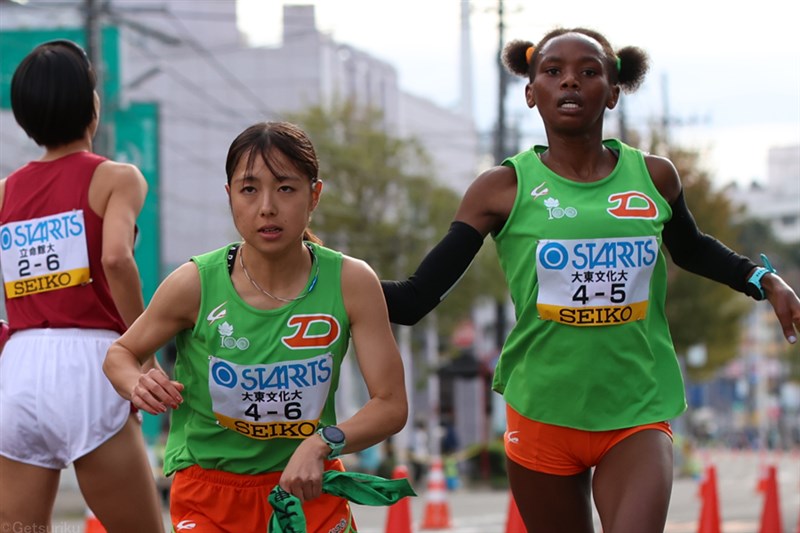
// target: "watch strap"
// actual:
[[754, 281], [336, 447]]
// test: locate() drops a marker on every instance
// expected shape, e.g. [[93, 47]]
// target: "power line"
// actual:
[[194, 88], [226, 74]]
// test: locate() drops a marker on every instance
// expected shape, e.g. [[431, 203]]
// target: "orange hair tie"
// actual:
[[529, 54]]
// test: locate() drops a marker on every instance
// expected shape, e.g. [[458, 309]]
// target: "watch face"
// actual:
[[333, 434]]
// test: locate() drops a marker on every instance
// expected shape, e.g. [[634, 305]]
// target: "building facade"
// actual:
[[208, 85], [770, 413], [190, 62], [777, 199]]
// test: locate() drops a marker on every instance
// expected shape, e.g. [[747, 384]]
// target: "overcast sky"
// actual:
[[730, 72]]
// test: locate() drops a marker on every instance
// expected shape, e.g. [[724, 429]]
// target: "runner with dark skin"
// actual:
[[633, 482], [574, 77]]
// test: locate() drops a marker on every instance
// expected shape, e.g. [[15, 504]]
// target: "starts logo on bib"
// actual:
[[274, 400], [595, 282], [44, 254]]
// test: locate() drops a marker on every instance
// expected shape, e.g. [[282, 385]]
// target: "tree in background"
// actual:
[[701, 311]]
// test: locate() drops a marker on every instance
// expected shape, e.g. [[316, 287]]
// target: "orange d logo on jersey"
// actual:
[[632, 204], [303, 338]]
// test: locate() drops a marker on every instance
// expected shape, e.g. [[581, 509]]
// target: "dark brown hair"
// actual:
[[261, 139]]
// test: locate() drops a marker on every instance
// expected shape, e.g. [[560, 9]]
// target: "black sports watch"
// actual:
[[333, 437], [753, 287]]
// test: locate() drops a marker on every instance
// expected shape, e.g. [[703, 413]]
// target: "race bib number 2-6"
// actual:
[[595, 282], [44, 254]]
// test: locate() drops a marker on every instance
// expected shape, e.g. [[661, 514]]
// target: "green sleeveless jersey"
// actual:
[[591, 347], [257, 382]]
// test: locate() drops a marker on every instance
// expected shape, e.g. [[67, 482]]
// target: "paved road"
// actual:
[[486, 511]]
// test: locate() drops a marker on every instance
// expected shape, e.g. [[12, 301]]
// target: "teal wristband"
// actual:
[[334, 438], [754, 287]]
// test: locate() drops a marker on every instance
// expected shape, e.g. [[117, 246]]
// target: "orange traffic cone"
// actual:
[[398, 518], [514, 522], [709, 512], [93, 525], [763, 477], [437, 512], [771, 514]]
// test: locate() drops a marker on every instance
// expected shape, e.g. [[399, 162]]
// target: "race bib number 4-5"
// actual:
[[278, 400], [595, 282], [44, 254]]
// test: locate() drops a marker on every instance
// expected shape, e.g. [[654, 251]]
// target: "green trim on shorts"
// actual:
[[350, 528]]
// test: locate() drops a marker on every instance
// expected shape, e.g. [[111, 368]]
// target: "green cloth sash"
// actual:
[[363, 489]]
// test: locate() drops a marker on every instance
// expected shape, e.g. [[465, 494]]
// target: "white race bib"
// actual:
[[595, 282], [44, 254], [278, 400]]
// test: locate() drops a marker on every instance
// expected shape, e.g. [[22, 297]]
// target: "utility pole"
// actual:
[[500, 153], [102, 143], [502, 89], [465, 71], [665, 117], [670, 121], [500, 148]]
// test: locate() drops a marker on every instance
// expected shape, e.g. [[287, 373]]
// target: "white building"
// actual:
[[777, 200], [209, 85], [776, 414]]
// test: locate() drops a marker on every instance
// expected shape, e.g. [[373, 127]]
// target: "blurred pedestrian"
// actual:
[[261, 329], [450, 448], [388, 460], [72, 286], [588, 372], [420, 451], [369, 460], [450, 443]]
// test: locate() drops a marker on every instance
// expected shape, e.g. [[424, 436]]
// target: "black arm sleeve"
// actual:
[[700, 253], [410, 300]]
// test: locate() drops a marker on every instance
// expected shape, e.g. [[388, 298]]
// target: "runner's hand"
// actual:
[[786, 305], [154, 391], [302, 476]]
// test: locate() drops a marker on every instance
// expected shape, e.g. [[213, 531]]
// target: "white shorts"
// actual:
[[56, 404]]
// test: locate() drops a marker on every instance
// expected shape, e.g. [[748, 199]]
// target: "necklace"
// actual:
[[286, 300]]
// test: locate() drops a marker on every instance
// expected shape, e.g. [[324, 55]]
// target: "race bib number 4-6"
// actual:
[[595, 282], [44, 254], [279, 400]]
